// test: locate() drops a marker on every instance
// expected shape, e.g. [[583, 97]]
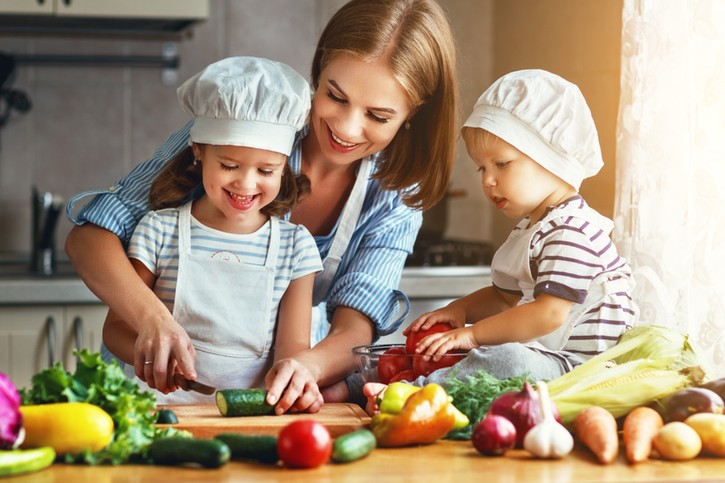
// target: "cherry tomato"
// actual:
[[406, 375], [391, 362], [413, 337], [304, 444]]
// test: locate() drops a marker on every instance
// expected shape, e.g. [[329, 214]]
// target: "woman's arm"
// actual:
[[101, 262]]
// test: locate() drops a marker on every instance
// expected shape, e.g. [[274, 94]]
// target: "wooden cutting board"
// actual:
[[205, 421]]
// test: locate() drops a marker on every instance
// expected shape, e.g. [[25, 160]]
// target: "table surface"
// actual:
[[444, 461]]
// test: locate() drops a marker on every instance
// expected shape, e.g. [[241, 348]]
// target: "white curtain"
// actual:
[[670, 200]]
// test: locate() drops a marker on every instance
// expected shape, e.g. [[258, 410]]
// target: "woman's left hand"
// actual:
[[291, 386]]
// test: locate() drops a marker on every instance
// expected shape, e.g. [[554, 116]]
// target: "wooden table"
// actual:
[[442, 462]]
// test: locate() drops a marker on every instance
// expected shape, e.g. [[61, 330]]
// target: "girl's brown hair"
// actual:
[[416, 38], [181, 176]]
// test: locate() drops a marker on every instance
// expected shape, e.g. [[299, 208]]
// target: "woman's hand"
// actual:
[[449, 314], [436, 345], [160, 352], [291, 386]]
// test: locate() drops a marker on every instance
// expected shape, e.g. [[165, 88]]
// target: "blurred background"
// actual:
[[89, 124]]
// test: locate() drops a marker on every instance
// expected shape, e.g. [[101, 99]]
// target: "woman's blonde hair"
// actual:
[[416, 38], [181, 176]]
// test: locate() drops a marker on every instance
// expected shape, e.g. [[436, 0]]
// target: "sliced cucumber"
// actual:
[[257, 447], [353, 446], [243, 402], [175, 450], [18, 461]]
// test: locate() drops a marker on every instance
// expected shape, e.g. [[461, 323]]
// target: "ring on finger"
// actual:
[[146, 363]]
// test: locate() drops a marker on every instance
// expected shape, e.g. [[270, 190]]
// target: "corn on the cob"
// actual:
[[643, 367]]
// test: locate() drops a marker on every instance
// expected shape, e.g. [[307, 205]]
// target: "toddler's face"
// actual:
[[513, 182]]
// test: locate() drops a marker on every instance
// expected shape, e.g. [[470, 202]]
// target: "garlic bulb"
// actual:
[[548, 439]]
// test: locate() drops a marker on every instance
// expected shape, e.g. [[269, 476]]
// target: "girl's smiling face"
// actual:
[[238, 182], [514, 183], [357, 109]]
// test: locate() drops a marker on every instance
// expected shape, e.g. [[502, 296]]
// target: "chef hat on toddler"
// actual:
[[247, 101], [546, 118]]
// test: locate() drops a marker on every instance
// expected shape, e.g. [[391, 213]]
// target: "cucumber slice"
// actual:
[[243, 402]]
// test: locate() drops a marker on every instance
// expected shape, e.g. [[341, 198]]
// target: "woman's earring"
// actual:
[[195, 162], [407, 125]]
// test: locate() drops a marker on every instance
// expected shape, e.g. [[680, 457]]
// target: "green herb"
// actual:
[[473, 395], [106, 386]]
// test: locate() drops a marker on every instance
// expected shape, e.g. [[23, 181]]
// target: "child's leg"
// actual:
[[502, 362]]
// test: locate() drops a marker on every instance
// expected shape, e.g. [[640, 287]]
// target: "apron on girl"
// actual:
[[512, 260], [225, 308]]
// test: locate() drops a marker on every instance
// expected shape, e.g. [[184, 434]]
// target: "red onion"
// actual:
[[11, 420], [493, 435], [522, 409]]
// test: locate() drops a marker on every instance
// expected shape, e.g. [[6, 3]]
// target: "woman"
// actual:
[[379, 148]]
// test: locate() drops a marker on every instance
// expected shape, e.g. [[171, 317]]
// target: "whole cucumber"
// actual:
[[19, 461], [353, 446], [176, 450], [243, 402]]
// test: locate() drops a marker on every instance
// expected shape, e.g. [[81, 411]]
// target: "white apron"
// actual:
[[512, 259], [226, 309], [345, 228]]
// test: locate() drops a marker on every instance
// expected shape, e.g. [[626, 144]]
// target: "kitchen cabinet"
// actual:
[[109, 8], [35, 337]]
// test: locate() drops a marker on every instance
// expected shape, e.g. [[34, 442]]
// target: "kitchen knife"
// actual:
[[189, 385]]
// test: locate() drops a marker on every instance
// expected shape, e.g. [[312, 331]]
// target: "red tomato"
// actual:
[[391, 362], [422, 367], [413, 337], [406, 375], [304, 444]]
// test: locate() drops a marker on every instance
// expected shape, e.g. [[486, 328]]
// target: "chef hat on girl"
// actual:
[[546, 118], [247, 101]]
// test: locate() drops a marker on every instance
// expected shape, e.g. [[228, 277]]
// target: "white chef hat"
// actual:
[[546, 118], [247, 101]]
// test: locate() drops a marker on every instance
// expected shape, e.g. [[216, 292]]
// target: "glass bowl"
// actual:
[[387, 363]]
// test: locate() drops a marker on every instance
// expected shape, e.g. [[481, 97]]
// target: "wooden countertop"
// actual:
[[444, 461]]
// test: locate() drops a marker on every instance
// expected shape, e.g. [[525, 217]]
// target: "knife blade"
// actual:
[[189, 385]]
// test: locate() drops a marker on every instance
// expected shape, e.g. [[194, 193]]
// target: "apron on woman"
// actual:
[[225, 308]]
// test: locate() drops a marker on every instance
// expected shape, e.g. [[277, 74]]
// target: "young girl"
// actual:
[[561, 293], [236, 277]]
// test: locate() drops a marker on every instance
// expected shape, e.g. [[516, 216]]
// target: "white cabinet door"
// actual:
[[82, 329], [134, 8], [30, 340], [32, 7]]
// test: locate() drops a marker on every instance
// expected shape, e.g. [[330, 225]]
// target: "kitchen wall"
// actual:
[[90, 125]]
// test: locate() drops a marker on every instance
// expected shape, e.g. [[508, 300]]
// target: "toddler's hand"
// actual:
[[450, 315], [373, 391], [436, 345]]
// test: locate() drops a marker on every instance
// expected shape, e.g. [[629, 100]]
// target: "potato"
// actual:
[[677, 441], [711, 429]]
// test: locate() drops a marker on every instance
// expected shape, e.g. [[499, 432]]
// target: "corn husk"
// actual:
[[646, 364]]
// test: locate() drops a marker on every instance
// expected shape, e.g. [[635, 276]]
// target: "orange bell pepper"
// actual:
[[427, 416]]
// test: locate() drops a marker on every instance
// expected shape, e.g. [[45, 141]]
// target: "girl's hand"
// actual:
[[436, 345], [448, 314], [160, 352], [291, 386]]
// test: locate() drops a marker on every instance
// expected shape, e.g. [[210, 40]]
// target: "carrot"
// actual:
[[638, 431], [596, 428]]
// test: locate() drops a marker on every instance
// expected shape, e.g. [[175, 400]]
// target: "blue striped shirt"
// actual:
[[369, 272], [155, 243]]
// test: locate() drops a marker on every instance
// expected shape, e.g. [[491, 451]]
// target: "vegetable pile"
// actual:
[[106, 386]]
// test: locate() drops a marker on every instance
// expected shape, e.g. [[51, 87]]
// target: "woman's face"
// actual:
[[238, 182], [357, 109]]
